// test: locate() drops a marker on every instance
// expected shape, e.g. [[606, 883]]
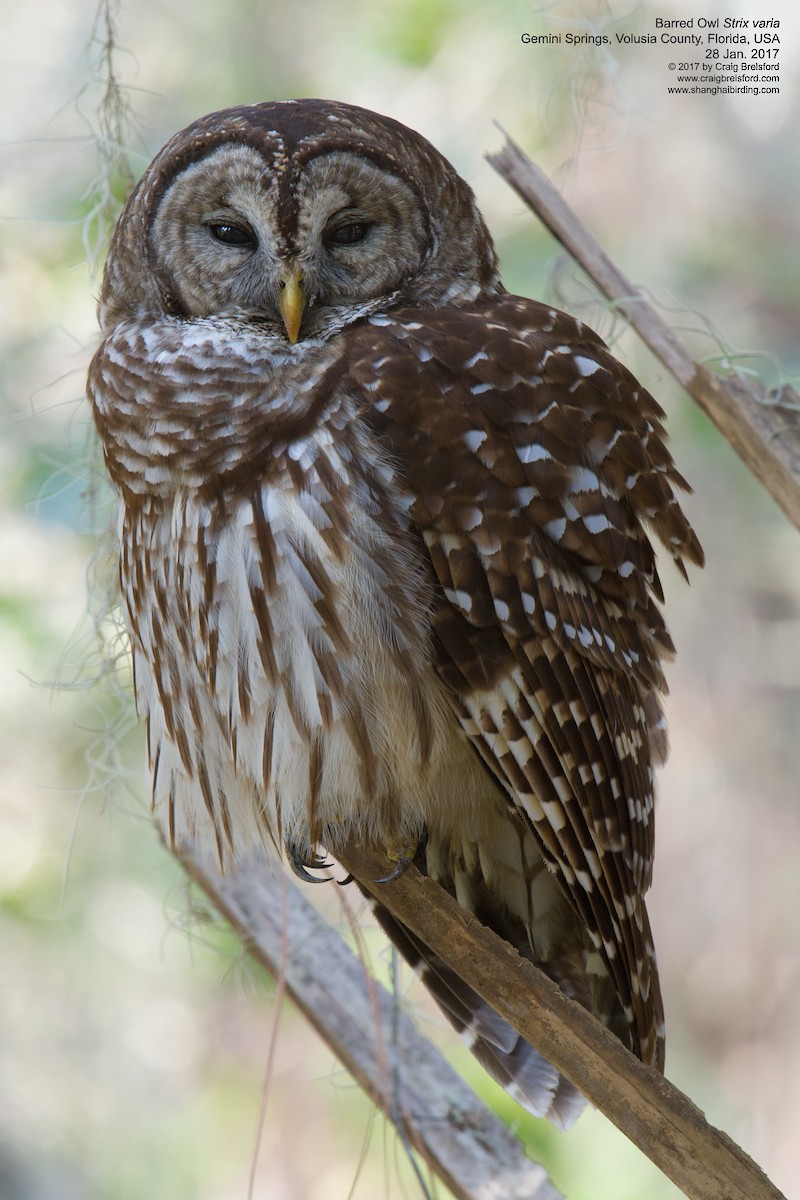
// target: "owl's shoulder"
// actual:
[[510, 358]]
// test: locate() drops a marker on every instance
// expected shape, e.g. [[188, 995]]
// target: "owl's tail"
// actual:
[[527, 1077]]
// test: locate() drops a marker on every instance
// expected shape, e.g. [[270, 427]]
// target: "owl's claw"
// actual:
[[402, 866], [403, 853], [299, 865]]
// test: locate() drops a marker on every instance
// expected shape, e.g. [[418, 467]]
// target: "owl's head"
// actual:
[[308, 214]]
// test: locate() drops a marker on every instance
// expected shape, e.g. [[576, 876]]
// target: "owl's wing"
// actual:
[[536, 464]]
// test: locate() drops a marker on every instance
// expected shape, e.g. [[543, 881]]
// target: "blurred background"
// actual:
[[134, 1034]]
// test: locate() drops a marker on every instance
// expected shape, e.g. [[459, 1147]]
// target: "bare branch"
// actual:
[[469, 1148], [763, 429], [654, 1114]]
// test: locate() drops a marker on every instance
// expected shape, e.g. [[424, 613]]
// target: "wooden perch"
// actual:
[[434, 1111], [658, 1118], [763, 429]]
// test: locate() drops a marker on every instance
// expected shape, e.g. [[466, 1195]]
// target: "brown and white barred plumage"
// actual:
[[391, 580]]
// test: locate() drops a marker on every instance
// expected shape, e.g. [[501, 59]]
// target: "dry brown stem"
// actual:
[[764, 429]]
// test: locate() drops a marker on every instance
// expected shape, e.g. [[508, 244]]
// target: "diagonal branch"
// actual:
[[705, 1163], [762, 427], [434, 1111]]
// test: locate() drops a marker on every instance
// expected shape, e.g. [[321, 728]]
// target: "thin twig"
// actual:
[[763, 429]]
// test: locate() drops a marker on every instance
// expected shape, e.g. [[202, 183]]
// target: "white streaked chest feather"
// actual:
[[283, 668]]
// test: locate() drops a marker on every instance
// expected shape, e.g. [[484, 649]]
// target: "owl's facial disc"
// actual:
[[322, 245]]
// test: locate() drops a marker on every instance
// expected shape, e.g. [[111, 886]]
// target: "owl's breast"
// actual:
[[210, 404], [283, 660]]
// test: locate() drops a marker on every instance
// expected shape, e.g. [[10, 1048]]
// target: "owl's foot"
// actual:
[[316, 863], [403, 852]]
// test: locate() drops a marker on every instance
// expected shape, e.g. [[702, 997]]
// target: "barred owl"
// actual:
[[385, 550]]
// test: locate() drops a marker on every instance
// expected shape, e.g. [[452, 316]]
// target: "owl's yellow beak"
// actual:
[[292, 302]]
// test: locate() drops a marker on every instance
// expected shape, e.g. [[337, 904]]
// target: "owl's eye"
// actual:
[[349, 234], [232, 235]]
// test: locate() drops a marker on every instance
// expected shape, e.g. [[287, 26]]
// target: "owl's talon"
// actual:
[[299, 865], [401, 868], [403, 853]]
